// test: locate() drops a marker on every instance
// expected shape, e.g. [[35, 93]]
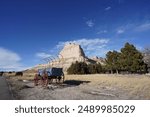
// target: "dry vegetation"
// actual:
[[86, 87]]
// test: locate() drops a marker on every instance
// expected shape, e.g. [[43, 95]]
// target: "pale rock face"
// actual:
[[98, 60], [72, 51], [68, 55]]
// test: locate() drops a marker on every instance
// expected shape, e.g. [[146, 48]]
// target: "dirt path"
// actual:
[[5, 93]]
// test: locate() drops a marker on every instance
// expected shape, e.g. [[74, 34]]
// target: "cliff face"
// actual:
[[72, 51], [68, 55]]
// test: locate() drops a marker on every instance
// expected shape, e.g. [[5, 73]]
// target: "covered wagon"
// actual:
[[53, 73]]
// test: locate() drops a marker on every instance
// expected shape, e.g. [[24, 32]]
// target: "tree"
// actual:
[[99, 68], [112, 61], [131, 60], [95, 68], [83, 68], [78, 68], [146, 54]]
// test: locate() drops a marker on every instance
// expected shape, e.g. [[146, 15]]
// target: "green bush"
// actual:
[[78, 68], [83, 68], [95, 68], [19, 74], [1, 73]]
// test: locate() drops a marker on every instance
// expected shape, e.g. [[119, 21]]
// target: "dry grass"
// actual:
[[135, 85], [126, 86]]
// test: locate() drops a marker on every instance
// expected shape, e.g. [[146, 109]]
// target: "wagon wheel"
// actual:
[[63, 78]]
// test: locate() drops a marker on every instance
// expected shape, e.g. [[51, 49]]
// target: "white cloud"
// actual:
[[120, 31], [91, 47], [140, 48], [9, 60], [90, 23], [107, 8], [42, 55], [124, 28], [45, 57], [143, 27], [134, 27], [102, 32]]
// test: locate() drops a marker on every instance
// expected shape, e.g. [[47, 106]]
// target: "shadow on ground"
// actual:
[[75, 82]]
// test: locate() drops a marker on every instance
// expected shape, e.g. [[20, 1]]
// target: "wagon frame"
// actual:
[[53, 73]]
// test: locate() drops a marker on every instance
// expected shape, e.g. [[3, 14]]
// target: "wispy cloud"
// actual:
[[90, 23], [120, 31], [102, 32], [42, 55], [143, 27], [107, 8], [45, 57], [92, 47], [10, 60], [139, 47], [133, 28]]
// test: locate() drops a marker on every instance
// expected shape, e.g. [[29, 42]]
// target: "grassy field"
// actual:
[[136, 85], [103, 86]]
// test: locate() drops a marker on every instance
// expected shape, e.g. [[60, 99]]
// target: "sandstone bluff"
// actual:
[[69, 54]]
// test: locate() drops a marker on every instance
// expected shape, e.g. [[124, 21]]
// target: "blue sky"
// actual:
[[33, 29]]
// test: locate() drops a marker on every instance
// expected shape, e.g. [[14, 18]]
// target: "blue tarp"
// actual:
[[52, 71]]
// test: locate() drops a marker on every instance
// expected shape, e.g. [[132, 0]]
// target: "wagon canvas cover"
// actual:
[[52, 71]]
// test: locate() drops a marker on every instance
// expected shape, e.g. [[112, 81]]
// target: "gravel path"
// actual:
[[70, 92]]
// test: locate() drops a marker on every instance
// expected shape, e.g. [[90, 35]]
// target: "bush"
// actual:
[[78, 68], [1, 73], [19, 74], [83, 68], [95, 68]]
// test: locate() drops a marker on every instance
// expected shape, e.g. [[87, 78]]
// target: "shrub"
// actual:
[[1, 73], [78, 68], [83, 68], [19, 74]]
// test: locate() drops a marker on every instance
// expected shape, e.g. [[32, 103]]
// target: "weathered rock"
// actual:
[[72, 51], [68, 55]]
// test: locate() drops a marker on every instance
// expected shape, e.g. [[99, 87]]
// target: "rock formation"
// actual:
[[68, 55], [98, 60], [72, 51]]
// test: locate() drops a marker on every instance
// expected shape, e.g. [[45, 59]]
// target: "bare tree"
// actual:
[[146, 55]]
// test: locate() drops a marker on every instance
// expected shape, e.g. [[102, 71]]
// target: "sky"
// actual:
[[31, 30]]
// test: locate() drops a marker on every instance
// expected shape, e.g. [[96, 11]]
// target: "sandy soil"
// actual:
[[85, 87]]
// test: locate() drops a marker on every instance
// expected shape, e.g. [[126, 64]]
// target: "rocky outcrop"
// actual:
[[98, 60], [68, 55], [72, 51]]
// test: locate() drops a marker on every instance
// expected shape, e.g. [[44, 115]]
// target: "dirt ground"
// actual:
[[84, 87]]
